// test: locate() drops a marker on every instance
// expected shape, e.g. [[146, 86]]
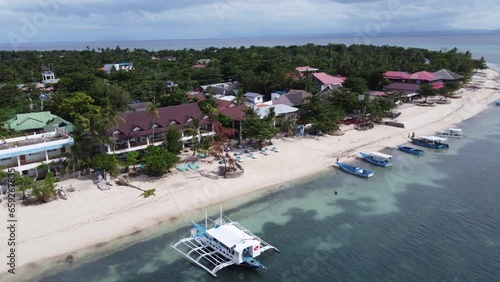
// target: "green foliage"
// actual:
[[323, 112], [286, 125], [378, 107], [77, 106], [205, 144], [208, 105], [45, 190], [260, 129], [426, 91], [173, 142], [104, 161], [132, 158], [158, 161], [177, 97], [226, 121], [356, 85], [149, 193]]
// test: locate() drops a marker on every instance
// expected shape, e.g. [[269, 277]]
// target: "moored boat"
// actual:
[[377, 158], [431, 142], [410, 150], [497, 103], [451, 132], [355, 170], [225, 243]]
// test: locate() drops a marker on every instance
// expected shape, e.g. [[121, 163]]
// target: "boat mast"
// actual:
[[206, 224], [221, 215]]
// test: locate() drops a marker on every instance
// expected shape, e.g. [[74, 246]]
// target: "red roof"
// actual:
[[139, 123], [378, 93], [223, 104], [234, 112], [199, 66], [326, 79], [438, 85], [423, 75], [396, 74]]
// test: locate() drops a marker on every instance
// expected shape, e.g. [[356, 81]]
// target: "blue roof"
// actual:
[[252, 94]]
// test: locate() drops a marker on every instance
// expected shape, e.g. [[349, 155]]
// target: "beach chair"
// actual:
[[275, 149], [186, 167], [180, 168], [239, 159], [191, 166], [264, 152], [197, 165], [141, 166], [252, 155]]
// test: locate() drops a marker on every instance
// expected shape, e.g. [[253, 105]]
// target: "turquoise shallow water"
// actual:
[[428, 218]]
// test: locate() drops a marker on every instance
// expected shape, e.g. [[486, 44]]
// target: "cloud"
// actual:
[[96, 20]]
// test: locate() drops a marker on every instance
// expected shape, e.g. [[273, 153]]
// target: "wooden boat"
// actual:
[[222, 244], [355, 170], [377, 158], [410, 150], [451, 132], [431, 142]]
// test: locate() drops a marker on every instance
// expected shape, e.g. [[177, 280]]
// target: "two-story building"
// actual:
[[254, 98], [136, 132], [46, 139]]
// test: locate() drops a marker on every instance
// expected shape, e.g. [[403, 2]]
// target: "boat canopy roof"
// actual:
[[381, 155], [455, 130], [433, 138], [231, 236]]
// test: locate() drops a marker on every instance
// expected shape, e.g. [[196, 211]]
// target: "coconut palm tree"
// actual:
[[194, 132], [113, 119], [240, 100], [286, 123], [153, 112]]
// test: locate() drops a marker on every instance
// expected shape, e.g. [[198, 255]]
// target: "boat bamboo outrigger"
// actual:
[[451, 132], [226, 243], [377, 158], [431, 142]]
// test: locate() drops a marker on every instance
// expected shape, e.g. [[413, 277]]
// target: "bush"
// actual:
[[158, 161]]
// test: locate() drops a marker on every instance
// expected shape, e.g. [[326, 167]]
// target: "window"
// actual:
[[6, 159], [32, 154], [53, 150]]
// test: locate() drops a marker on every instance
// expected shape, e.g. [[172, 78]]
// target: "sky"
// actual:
[[26, 21]]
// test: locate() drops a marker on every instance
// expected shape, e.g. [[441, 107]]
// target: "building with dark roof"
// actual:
[[136, 132], [449, 75]]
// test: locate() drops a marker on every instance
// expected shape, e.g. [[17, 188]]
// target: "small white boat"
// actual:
[[451, 132], [225, 243]]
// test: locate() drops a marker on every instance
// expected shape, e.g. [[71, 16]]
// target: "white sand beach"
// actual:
[[91, 216]]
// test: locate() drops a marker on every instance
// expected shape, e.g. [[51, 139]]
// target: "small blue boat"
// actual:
[[377, 158], [431, 142], [355, 170], [410, 150], [497, 103]]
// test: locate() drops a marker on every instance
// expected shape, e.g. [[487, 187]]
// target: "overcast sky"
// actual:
[[107, 20]]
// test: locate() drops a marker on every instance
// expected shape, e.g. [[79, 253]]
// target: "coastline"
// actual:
[[91, 217]]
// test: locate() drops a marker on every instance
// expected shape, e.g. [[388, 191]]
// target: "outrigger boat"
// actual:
[[355, 170], [452, 132], [377, 158], [225, 243], [410, 150], [431, 142]]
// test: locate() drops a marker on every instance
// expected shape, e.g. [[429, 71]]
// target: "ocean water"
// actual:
[[485, 45], [427, 218]]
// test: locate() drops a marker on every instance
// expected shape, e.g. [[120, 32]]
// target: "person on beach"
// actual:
[[413, 135], [409, 135]]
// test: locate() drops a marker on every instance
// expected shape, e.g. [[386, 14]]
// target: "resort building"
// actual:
[[48, 77], [108, 68], [449, 75], [136, 132], [46, 140], [325, 80], [254, 98], [292, 98], [418, 78]]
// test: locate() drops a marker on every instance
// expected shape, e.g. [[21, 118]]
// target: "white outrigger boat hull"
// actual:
[[226, 243]]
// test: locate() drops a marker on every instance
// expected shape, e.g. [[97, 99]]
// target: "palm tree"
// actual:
[[240, 100], [113, 118], [153, 112], [287, 124], [194, 132]]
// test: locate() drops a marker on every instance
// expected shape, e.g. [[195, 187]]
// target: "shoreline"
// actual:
[[92, 218]]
